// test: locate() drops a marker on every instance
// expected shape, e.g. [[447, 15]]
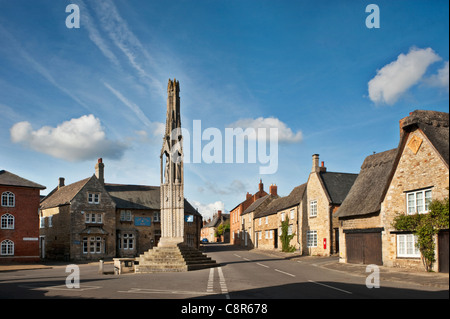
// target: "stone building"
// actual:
[[267, 222], [19, 228], [91, 219], [247, 231], [400, 181], [209, 228], [325, 192]]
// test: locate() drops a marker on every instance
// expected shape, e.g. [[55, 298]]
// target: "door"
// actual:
[[275, 238], [364, 248], [443, 241], [42, 246]]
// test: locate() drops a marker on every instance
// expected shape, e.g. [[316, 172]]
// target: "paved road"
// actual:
[[242, 275]]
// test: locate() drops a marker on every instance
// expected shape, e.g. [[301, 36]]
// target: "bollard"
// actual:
[[100, 267]]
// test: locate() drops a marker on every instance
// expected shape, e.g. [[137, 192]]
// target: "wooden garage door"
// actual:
[[443, 240], [364, 248]]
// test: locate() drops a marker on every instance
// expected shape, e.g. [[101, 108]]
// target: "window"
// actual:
[[290, 230], [313, 208], [407, 246], [156, 216], [50, 221], [292, 214], [7, 248], [7, 221], [267, 234], [259, 235], [125, 215], [93, 245], [94, 218], [311, 238], [267, 220], [93, 198], [41, 222], [8, 199], [260, 221], [418, 201], [128, 241], [282, 217]]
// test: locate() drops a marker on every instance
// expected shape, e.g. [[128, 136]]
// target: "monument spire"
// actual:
[[172, 181]]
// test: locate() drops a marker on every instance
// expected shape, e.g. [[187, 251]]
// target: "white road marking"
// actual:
[[210, 286], [161, 291], [262, 265], [286, 273], [223, 285], [318, 283]]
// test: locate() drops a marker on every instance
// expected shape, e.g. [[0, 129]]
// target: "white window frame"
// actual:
[[156, 216], [94, 218], [406, 246], [7, 248], [42, 222], [7, 221], [50, 221], [418, 202], [8, 199], [283, 216], [128, 241], [313, 208], [125, 215], [93, 198], [311, 238], [292, 214]]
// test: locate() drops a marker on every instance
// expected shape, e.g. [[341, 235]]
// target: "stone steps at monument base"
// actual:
[[173, 258]]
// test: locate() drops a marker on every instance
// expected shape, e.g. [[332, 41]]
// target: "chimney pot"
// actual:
[[100, 171], [261, 185], [273, 190], [315, 163], [61, 182]]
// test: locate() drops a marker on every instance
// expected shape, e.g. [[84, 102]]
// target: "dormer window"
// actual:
[[93, 198]]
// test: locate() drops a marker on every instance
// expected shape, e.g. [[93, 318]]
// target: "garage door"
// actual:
[[364, 248]]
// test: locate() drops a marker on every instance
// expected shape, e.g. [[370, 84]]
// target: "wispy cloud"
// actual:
[[38, 67], [155, 127], [74, 140], [395, 78], [127, 42]]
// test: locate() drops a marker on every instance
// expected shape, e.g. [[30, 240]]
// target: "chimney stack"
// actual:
[[322, 167], [219, 213], [273, 190], [248, 196], [315, 163], [99, 171], [61, 182], [261, 185]]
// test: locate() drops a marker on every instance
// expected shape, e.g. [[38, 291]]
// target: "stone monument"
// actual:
[[172, 253]]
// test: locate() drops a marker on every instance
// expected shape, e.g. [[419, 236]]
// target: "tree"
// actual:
[[425, 227], [285, 237]]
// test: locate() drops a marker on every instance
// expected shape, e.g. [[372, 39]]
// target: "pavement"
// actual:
[[433, 279]]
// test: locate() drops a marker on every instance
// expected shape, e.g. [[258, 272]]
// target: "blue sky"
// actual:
[[330, 84]]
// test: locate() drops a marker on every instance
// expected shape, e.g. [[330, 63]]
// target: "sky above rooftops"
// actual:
[[331, 85]]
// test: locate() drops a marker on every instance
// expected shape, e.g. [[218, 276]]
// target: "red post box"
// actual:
[[324, 243]]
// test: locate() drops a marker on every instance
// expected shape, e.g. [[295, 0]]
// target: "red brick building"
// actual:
[[235, 214], [19, 227]]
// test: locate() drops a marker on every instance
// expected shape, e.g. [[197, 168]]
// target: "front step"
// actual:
[[176, 258]]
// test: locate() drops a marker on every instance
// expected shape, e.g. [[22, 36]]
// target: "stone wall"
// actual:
[[415, 171]]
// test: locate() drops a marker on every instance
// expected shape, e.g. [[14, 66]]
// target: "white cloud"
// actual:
[[395, 78], [208, 210], [75, 140], [441, 78], [285, 134]]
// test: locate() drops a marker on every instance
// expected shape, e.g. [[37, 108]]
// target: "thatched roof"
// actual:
[[434, 124], [366, 194]]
